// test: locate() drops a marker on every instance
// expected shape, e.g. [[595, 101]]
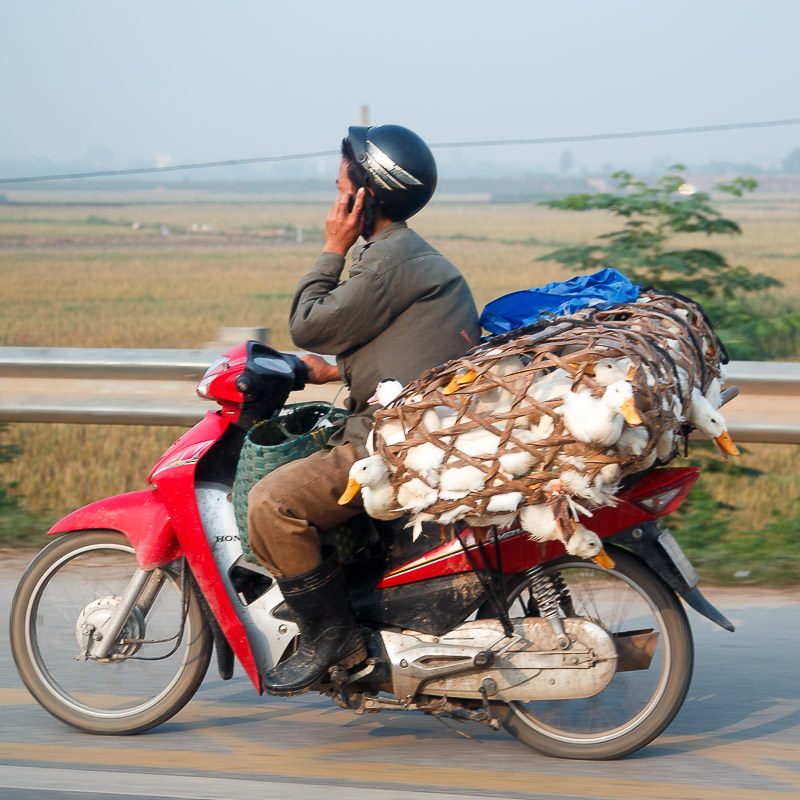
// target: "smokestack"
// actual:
[[365, 115]]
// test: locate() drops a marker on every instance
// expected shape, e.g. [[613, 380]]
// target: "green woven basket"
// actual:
[[297, 431]]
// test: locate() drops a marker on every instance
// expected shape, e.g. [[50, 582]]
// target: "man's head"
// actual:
[[394, 165]]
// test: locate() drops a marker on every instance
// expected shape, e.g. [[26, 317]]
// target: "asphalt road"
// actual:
[[737, 737]]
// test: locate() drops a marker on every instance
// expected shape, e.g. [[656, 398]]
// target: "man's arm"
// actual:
[[331, 317]]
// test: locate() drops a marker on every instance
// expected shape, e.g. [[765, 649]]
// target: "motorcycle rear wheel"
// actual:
[[154, 670], [637, 705]]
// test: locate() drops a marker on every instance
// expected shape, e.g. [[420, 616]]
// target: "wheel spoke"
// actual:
[[619, 600], [69, 592]]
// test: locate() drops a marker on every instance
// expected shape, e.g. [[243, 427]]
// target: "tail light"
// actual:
[[665, 497], [659, 503]]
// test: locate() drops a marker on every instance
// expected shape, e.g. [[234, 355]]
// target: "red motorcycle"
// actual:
[[114, 622]]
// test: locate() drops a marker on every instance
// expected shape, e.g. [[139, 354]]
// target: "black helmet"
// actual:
[[399, 166]]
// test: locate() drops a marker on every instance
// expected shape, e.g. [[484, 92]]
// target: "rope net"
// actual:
[[462, 439]]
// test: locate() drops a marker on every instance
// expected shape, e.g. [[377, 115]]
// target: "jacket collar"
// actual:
[[388, 231], [385, 233]]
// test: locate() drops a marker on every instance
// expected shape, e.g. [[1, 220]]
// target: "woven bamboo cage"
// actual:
[[667, 337]]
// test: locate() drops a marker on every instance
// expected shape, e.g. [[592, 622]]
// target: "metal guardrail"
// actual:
[[88, 363], [150, 387]]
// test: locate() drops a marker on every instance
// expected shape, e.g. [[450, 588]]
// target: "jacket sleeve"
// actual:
[[332, 317]]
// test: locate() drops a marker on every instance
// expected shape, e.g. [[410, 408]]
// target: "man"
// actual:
[[403, 309]]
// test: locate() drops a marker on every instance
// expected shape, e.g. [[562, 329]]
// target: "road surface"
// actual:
[[737, 737]]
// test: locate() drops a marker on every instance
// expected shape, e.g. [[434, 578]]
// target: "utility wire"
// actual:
[[233, 162], [596, 137]]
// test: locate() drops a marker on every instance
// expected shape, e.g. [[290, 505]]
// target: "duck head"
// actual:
[[619, 396], [386, 392], [708, 419], [610, 370], [365, 472]]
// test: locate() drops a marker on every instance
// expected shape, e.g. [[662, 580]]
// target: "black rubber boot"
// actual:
[[328, 631]]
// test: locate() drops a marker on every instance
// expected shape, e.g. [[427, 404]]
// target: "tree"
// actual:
[[652, 215]]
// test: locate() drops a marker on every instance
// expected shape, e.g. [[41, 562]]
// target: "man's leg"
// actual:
[[287, 511], [290, 507]]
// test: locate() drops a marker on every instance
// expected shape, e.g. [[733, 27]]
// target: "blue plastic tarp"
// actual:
[[601, 290]]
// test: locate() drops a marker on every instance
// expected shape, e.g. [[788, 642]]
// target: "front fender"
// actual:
[[141, 516]]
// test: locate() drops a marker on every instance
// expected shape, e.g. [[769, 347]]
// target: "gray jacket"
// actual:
[[404, 308]]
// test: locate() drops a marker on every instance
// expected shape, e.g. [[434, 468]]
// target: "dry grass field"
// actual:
[[81, 276]]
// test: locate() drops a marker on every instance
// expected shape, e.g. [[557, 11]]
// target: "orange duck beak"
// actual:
[[353, 488], [604, 560], [726, 444], [457, 381]]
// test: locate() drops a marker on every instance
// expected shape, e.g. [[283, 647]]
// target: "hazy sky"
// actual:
[[198, 80]]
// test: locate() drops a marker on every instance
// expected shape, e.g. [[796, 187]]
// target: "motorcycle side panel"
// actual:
[[141, 516], [433, 606], [184, 453], [518, 552], [268, 636]]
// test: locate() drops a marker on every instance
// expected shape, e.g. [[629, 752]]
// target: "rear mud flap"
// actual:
[[659, 550]]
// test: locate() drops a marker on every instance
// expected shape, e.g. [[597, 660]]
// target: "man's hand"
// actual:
[[319, 370], [343, 227]]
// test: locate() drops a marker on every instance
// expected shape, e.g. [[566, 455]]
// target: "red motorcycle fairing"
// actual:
[[174, 475], [518, 552], [141, 516], [164, 523]]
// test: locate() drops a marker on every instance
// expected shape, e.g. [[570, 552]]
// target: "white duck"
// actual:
[[458, 482], [632, 441], [599, 420], [392, 431], [415, 495], [426, 459], [387, 391], [494, 400], [587, 544], [478, 443], [538, 520], [579, 484], [714, 392], [610, 370], [515, 463], [665, 444], [706, 418], [370, 476], [539, 430], [453, 515], [552, 386], [504, 503]]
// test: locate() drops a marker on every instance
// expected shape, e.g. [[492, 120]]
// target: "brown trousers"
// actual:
[[288, 508]]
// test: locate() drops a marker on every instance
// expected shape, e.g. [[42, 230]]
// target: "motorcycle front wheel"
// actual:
[[154, 668], [639, 703]]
